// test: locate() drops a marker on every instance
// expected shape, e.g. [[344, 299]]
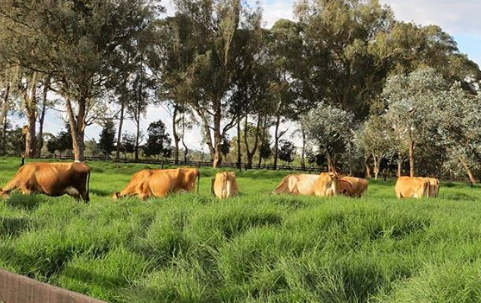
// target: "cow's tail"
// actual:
[[87, 186], [198, 182]]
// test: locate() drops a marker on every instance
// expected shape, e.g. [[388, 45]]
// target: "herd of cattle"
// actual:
[[57, 179]]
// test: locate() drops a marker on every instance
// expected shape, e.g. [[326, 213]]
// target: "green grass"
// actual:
[[254, 248]]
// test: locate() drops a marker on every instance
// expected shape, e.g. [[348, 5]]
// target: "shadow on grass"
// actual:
[[11, 226], [101, 192], [25, 202]]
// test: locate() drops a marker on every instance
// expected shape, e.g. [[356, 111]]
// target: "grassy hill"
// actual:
[[254, 248]]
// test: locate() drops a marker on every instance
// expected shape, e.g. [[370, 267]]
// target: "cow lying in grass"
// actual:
[[351, 186], [412, 187], [225, 185], [159, 182], [324, 184], [52, 179]]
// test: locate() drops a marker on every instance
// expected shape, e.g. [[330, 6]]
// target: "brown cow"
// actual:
[[52, 179], [326, 185], [433, 187], [351, 186], [412, 187], [159, 182], [297, 184], [224, 185]]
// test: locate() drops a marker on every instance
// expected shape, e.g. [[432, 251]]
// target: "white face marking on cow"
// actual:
[[72, 191]]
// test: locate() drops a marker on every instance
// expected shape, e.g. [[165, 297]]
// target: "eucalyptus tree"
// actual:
[[170, 63], [455, 124], [331, 129], [374, 138], [408, 97], [286, 55], [75, 43], [251, 93], [216, 26], [340, 68]]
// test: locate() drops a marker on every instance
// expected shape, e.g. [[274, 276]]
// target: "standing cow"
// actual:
[[52, 179], [159, 182], [225, 185]]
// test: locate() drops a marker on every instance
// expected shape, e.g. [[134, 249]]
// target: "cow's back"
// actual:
[[297, 184], [411, 187]]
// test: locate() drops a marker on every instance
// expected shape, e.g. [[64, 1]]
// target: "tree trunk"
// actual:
[[468, 170], [399, 164], [186, 150], [41, 120], [331, 162], [175, 135], [250, 154], [77, 127], [366, 165], [217, 159], [411, 156], [276, 140], [3, 120], [239, 147], [376, 161], [137, 138], [121, 124], [303, 151], [31, 114]]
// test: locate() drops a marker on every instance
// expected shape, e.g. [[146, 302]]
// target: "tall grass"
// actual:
[[253, 248]]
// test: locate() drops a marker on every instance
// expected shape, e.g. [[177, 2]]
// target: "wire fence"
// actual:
[[170, 162]]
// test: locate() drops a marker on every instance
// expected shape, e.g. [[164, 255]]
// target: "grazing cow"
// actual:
[[412, 187], [225, 185], [433, 187], [159, 182], [351, 186], [52, 179], [326, 185], [297, 184]]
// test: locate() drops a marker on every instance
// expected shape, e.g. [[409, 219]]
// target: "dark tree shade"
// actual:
[[62, 142], [107, 137], [225, 146], [265, 150], [286, 151], [158, 139], [128, 143]]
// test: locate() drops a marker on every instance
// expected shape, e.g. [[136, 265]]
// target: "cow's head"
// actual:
[[331, 186], [116, 196], [4, 195]]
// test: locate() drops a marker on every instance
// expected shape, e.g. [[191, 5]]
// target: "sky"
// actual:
[[461, 19]]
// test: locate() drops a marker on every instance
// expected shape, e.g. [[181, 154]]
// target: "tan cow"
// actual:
[[326, 185], [225, 185], [351, 186], [412, 187], [297, 184], [159, 182], [52, 179], [433, 187]]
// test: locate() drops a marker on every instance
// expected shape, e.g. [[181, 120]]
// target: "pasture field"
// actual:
[[254, 248]]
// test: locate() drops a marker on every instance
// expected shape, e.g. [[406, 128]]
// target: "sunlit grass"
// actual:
[[256, 247]]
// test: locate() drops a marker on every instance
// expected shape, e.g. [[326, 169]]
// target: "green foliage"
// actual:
[[107, 137], [158, 140]]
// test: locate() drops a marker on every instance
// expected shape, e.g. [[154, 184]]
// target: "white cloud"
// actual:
[[277, 10], [455, 17]]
